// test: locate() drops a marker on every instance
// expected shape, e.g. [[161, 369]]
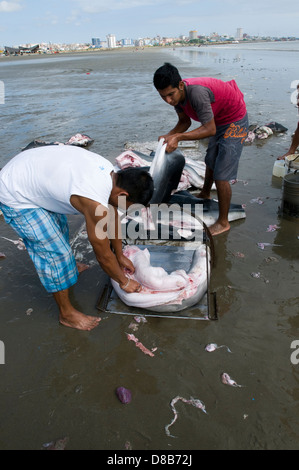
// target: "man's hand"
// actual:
[[131, 286], [172, 142], [125, 263], [179, 133]]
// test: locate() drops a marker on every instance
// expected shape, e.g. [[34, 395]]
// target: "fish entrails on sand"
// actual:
[[192, 401]]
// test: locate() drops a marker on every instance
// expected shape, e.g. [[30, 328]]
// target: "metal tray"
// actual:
[[171, 258]]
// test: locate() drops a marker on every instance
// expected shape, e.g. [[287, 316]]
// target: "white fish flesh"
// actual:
[[250, 137], [129, 159], [263, 132], [262, 245], [226, 380], [80, 140], [19, 243], [213, 346], [154, 278], [183, 289], [194, 172]]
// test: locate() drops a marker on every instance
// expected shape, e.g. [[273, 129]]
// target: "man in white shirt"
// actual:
[[40, 186]]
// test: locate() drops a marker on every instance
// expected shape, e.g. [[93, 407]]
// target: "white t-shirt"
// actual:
[[48, 176]]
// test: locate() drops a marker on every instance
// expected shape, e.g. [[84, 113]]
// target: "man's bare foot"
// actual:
[[76, 319], [202, 195], [82, 267], [217, 228]]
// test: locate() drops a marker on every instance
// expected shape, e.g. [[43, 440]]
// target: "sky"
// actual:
[[77, 21]]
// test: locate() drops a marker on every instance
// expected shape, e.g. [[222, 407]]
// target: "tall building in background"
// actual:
[[126, 42], [96, 42], [111, 41], [239, 34], [193, 34]]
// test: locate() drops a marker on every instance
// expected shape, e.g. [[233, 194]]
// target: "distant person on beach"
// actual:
[[220, 108], [40, 186], [295, 138]]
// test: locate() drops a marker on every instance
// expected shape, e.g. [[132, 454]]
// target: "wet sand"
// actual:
[[60, 382]]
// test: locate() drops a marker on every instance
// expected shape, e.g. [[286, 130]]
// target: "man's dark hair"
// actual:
[[138, 183], [165, 76]]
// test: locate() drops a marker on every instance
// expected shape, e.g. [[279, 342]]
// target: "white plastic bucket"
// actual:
[[279, 169]]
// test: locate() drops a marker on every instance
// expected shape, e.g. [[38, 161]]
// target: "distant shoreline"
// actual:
[[127, 50], [83, 51]]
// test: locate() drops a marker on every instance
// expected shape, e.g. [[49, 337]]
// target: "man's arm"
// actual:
[[294, 145], [183, 124], [295, 141], [178, 133], [97, 219], [116, 240]]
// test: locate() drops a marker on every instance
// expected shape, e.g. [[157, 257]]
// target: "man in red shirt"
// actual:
[[220, 108]]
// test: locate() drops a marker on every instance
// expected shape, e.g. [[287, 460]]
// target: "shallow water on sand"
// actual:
[[60, 382]]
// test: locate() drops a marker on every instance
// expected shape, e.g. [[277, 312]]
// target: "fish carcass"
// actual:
[[163, 292]]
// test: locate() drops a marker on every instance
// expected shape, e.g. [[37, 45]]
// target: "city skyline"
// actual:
[[77, 21]]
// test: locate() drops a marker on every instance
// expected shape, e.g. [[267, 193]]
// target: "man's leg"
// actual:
[[208, 182], [45, 235], [224, 193], [223, 153], [210, 160], [69, 316]]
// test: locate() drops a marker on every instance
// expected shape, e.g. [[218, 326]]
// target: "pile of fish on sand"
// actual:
[[263, 132], [78, 140], [193, 174]]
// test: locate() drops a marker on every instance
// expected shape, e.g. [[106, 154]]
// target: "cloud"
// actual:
[[9, 7], [51, 19], [75, 18], [100, 6]]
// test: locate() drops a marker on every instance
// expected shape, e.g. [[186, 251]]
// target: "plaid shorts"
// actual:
[[225, 148], [46, 237]]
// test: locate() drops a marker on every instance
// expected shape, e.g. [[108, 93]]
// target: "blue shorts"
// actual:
[[225, 148], [46, 237]]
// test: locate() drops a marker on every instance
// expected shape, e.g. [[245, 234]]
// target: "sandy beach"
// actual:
[[58, 382]]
